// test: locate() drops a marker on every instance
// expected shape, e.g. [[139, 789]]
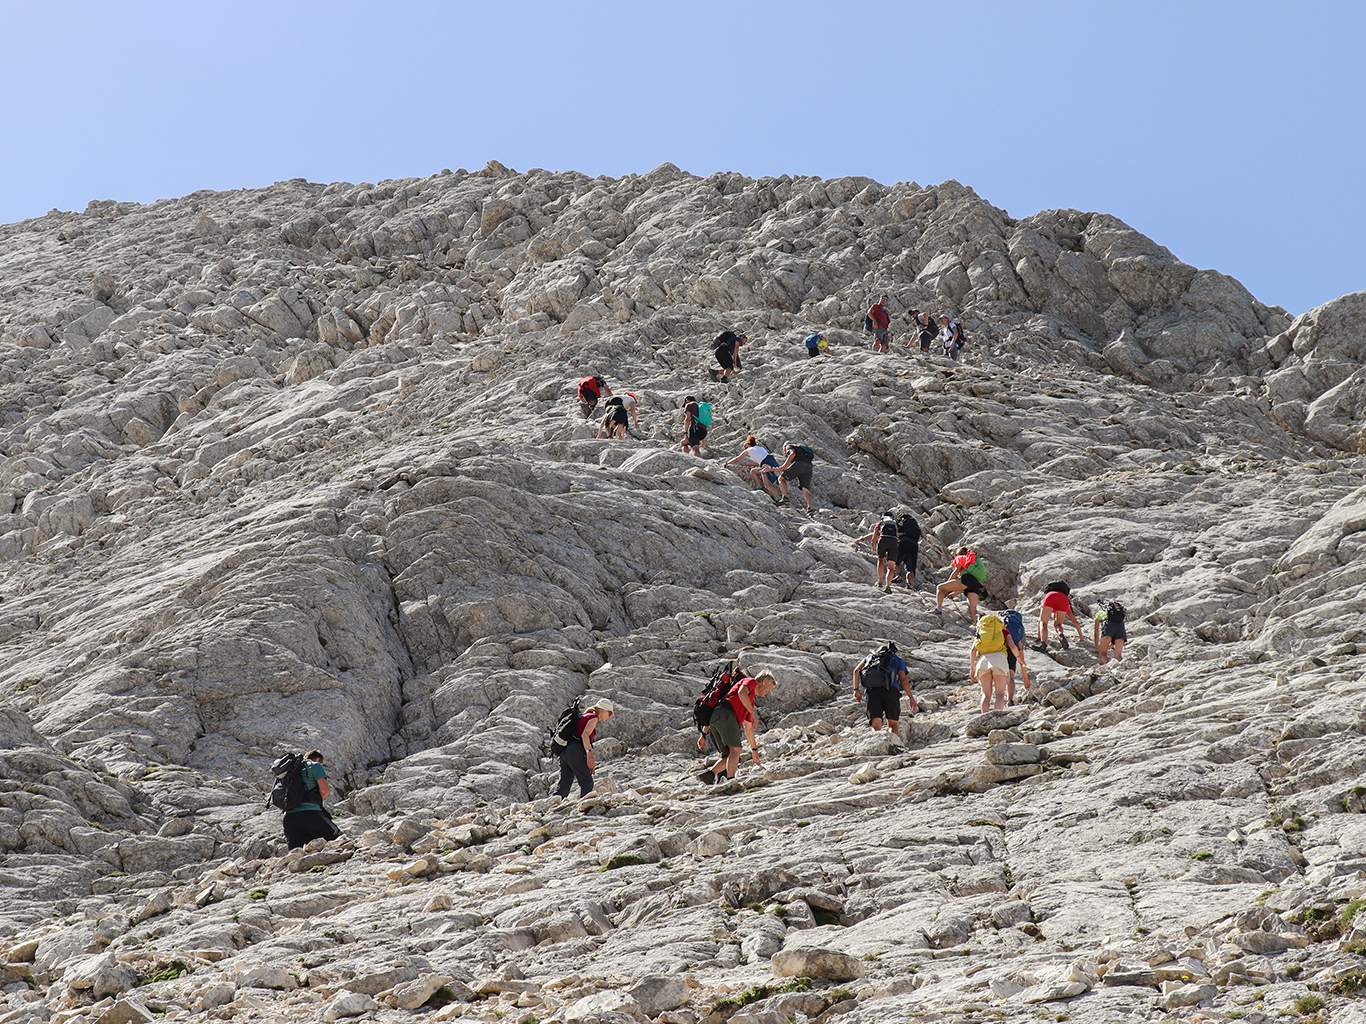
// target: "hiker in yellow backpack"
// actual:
[[988, 665]]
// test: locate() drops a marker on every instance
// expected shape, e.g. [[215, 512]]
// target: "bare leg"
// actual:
[[1119, 650]]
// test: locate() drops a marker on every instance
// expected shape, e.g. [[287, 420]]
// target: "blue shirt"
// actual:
[[313, 771]]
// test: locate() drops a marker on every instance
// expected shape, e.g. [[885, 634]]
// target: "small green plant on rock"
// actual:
[[258, 894], [1305, 1005], [1202, 855]]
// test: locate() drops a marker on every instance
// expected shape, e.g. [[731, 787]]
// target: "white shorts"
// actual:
[[995, 661]]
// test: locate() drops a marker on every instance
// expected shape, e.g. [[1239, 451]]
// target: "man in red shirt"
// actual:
[[882, 336], [734, 713]]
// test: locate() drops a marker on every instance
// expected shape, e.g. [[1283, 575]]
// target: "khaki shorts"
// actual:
[[725, 727], [995, 661]]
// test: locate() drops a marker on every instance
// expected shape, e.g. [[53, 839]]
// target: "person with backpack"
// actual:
[[1015, 656], [614, 423], [727, 350], [880, 674], [988, 665], [885, 545], [576, 756], [815, 345], [696, 422], [951, 337], [967, 576], [590, 390], [908, 547], [306, 819], [1057, 605], [925, 325], [797, 467], [733, 715], [1109, 630], [763, 466], [882, 321]]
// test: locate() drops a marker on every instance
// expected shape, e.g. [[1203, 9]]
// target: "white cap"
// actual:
[[604, 705]]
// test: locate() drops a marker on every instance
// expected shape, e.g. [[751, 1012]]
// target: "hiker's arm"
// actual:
[[753, 743], [588, 743], [866, 536], [858, 674], [324, 790], [972, 664], [790, 458], [905, 682], [1081, 638]]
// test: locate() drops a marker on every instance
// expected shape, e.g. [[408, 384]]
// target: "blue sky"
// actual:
[[1229, 132]]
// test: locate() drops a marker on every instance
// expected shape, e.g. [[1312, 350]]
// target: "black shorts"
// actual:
[[972, 585], [1010, 659], [884, 703], [723, 356], [1114, 630], [697, 434], [800, 472], [616, 416], [887, 547], [926, 339], [908, 554]]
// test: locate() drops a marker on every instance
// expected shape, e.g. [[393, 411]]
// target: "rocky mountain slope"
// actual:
[[302, 466]]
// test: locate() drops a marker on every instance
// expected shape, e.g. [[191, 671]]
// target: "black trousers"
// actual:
[[574, 766], [304, 826]]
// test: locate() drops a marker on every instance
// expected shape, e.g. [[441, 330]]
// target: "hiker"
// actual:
[[727, 347], [1057, 605], [884, 539], [590, 390], [576, 759], [1109, 629], [310, 820], [949, 337], [696, 421], [968, 576], [757, 456], [797, 467], [925, 325], [815, 345], [988, 666], [627, 400], [614, 423], [1015, 657], [881, 673], [732, 715], [908, 547], [882, 336]]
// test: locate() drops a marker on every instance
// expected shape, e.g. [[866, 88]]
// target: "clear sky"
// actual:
[[1230, 132]]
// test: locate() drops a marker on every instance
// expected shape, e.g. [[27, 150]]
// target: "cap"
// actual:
[[604, 705]]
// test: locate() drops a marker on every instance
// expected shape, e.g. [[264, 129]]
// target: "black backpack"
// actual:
[[907, 528], [563, 732], [1114, 612], [868, 324], [804, 452], [1058, 586], [705, 704], [960, 336], [877, 674], [289, 790], [725, 340], [890, 527]]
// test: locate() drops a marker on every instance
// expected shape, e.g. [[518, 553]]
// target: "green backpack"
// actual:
[[704, 413]]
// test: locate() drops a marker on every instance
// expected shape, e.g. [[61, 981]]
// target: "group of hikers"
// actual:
[[924, 328]]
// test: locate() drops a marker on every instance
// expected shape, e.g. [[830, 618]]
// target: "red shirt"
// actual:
[[879, 315], [584, 719], [742, 713]]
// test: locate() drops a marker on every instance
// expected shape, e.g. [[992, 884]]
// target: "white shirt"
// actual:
[[757, 454]]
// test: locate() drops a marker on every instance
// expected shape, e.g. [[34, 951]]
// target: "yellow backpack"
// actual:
[[991, 635]]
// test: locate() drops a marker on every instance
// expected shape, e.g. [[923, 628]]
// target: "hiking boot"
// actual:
[[1062, 642], [708, 777]]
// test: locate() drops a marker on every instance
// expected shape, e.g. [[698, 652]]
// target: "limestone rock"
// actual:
[[808, 962]]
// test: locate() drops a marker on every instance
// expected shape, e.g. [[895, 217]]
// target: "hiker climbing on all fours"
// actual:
[[732, 715], [797, 467], [1057, 605], [761, 464], [726, 348], [880, 675], [882, 321], [967, 576], [589, 391], [886, 546], [696, 422], [1109, 631]]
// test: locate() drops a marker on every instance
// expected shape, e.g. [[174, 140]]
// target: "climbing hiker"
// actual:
[[614, 423], [627, 400], [924, 325], [797, 467], [882, 674], [1015, 656], [815, 345], [1109, 630], [576, 758], [882, 335], [696, 422], [762, 466], [732, 715], [908, 546], [1057, 605], [590, 390], [950, 337], [885, 543], [727, 350], [967, 576], [308, 819], [988, 666]]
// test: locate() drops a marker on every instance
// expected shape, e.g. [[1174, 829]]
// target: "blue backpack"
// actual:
[[704, 413], [1014, 623]]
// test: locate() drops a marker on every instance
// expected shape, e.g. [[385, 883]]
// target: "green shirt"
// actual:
[[313, 771]]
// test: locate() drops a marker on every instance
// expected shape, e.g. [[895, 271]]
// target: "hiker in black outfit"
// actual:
[[310, 820], [695, 438], [928, 332], [885, 544], [576, 759], [881, 673], [614, 423], [908, 548], [728, 353]]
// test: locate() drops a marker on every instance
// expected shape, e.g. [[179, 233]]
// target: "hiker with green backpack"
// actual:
[[880, 674], [967, 576], [988, 665], [697, 418]]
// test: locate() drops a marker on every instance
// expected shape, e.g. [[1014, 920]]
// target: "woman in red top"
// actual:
[[734, 713], [576, 759]]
